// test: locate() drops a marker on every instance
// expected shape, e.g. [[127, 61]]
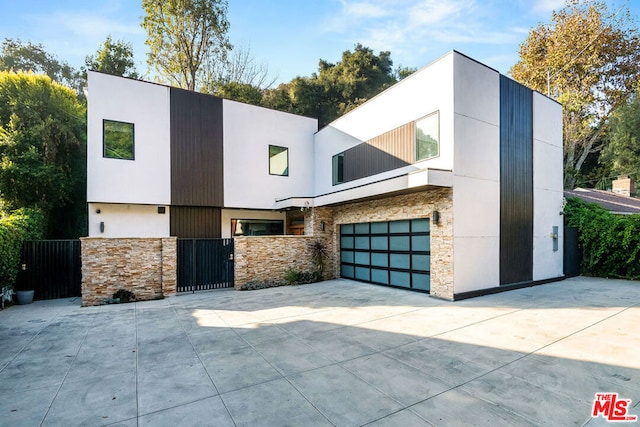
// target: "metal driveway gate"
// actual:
[[391, 253], [205, 264], [52, 268]]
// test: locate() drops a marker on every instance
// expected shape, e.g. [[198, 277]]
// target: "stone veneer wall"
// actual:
[[408, 206], [267, 258], [144, 266]]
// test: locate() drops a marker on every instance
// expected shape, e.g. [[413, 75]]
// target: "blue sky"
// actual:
[[290, 36]]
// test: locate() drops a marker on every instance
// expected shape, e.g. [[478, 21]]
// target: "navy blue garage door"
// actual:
[[391, 253]]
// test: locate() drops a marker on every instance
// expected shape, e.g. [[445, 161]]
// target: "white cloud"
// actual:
[[546, 6], [365, 9], [414, 29]]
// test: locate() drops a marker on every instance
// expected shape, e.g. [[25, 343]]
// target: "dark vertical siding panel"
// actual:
[[195, 222], [516, 182], [196, 149], [391, 150]]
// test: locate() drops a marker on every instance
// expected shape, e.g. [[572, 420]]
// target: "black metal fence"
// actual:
[[205, 264], [572, 252], [52, 268]]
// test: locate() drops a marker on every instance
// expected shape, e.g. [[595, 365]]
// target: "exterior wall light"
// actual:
[[102, 226], [435, 217]]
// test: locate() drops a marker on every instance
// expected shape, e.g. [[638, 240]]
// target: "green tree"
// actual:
[[623, 151], [42, 150], [114, 58], [336, 88], [186, 39], [242, 92], [587, 58], [16, 55]]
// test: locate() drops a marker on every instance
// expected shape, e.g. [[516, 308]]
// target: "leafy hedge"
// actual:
[[22, 224], [610, 243]]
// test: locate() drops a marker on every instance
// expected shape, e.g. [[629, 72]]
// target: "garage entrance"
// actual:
[[391, 253]]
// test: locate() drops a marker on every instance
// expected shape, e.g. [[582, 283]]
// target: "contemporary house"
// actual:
[[448, 182]]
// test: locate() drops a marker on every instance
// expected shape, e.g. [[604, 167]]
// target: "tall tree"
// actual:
[[587, 58], [42, 150], [336, 88], [241, 67], [623, 151], [186, 38], [16, 55], [114, 58]]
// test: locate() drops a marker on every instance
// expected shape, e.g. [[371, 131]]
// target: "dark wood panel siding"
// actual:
[[516, 182], [391, 150], [196, 149], [195, 222]]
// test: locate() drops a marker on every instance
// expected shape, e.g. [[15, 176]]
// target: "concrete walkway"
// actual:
[[335, 353]]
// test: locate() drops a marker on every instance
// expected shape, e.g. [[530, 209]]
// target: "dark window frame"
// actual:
[[337, 169], [234, 222], [104, 142], [287, 169], [415, 142]]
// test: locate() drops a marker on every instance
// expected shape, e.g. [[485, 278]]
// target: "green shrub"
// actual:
[[610, 243], [260, 284], [293, 277], [19, 226]]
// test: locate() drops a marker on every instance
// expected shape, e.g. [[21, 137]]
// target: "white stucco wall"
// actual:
[[424, 92], [248, 132], [476, 176], [547, 187], [145, 180], [128, 220], [229, 214]]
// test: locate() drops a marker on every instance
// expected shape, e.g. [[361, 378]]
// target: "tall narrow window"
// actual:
[[278, 160], [427, 137], [118, 140], [338, 169]]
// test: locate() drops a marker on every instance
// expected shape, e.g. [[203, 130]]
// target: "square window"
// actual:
[[278, 160], [428, 137], [117, 139], [338, 168]]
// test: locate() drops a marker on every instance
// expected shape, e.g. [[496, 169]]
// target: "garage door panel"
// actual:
[[363, 273], [394, 253], [420, 243], [380, 276], [380, 259], [363, 258], [380, 243], [347, 271], [400, 278], [362, 242], [421, 281], [346, 242]]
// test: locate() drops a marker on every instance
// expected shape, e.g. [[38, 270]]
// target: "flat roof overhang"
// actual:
[[411, 182]]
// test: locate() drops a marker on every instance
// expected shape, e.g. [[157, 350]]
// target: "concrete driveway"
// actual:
[[333, 353]]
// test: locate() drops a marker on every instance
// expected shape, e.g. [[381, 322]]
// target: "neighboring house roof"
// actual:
[[614, 203]]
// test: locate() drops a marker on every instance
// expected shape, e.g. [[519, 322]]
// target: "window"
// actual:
[[117, 138], [278, 160], [427, 137], [257, 227], [338, 169]]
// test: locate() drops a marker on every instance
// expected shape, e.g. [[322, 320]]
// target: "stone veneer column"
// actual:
[[132, 264], [169, 266]]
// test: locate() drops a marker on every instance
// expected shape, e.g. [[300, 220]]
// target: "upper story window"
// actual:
[[428, 137], [278, 160], [118, 140], [338, 169]]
